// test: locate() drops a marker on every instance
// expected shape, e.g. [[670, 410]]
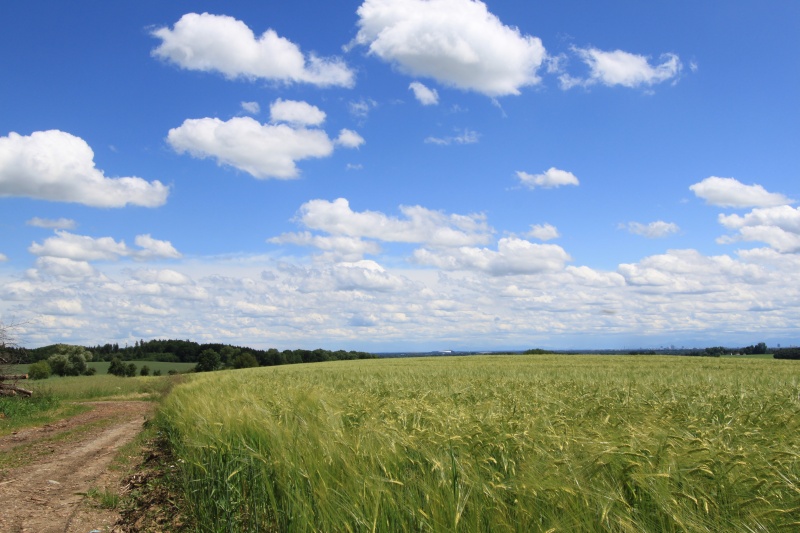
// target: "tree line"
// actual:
[[207, 356]]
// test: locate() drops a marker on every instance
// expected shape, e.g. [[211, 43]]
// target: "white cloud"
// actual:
[[63, 267], [551, 178], [61, 223], [80, 247], [688, 271], [728, 192], [341, 246], [653, 230], [83, 248], [163, 276], [63, 307], [261, 150], [623, 68], [362, 108], [296, 113], [513, 256], [420, 225], [251, 107], [223, 44], [349, 139], [456, 42], [57, 166], [465, 137], [423, 94], [779, 227], [543, 232], [364, 275], [153, 249], [3, 257]]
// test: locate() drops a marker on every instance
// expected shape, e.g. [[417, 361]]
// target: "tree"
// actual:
[[11, 354], [117, 367], [70, 360], [245, 360], [208, 361]]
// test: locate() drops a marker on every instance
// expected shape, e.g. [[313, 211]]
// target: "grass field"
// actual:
[[516, 443], [58, 397]]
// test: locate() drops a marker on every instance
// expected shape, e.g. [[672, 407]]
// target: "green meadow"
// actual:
[[496, 443]]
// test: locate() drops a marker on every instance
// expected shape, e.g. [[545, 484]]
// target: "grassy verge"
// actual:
[[56, 398]]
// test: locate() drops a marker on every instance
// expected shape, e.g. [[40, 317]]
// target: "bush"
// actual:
[[786, 353], [144, 371], [39, 370]]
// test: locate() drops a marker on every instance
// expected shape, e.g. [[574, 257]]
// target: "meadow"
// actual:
[[499, 443], [59, 397]]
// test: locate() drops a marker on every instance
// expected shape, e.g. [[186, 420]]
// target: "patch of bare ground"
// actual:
[[47, 471]]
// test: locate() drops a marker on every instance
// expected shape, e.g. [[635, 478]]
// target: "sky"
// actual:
[[401, 175]]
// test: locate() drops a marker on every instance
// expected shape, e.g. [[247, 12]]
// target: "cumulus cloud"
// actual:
[[653, 230], [57, 166], [423, 94], [779, 227], [364, 275], [513, 256], [729, 192], [294, 112], [165, 276], [61, 223], [63, 267], [261, 150], [83, 248], [459, 43], [622, 68], [543, 232], [63, 307], [349, 139], [551, 178], [153, 249], [341, 246], [219, 43], [419, 225], [689, 271]]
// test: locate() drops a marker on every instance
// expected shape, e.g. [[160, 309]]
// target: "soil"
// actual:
[[61, 463]]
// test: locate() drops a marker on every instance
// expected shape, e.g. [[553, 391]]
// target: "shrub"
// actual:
[[144, 371], [39, 370]]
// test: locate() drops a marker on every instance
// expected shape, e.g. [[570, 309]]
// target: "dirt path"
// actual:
[[61, 462]]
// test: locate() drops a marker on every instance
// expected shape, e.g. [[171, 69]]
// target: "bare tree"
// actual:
[[11, 354]]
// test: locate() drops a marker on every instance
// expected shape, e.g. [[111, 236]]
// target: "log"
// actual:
[[12, 390], [13, 377]]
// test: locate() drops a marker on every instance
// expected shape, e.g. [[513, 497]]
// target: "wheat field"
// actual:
[[495, 443]]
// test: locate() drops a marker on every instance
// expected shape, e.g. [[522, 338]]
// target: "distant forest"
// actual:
[[185, 351]]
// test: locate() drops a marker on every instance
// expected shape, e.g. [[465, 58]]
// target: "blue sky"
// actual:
[[401, 174]]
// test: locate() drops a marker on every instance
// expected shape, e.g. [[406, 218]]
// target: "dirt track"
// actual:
[[47, 493]]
